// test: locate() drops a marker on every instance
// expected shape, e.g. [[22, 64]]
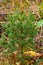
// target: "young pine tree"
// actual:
[[19, 34]]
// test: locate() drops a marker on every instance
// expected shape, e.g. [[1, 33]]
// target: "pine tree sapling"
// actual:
[[19, 33]]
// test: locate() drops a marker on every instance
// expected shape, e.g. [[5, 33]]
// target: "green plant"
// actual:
[[40, 23], [19, 33]]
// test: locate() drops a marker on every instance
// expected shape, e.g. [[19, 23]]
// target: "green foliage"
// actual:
[[40, 23], [20, 32]]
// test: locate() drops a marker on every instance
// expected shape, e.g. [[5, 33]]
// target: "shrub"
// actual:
[[19, 33]]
